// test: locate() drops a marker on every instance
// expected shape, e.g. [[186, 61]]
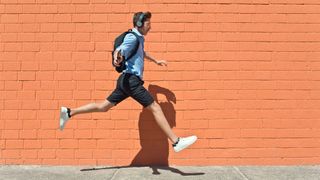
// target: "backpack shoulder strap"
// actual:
[[137, 43]]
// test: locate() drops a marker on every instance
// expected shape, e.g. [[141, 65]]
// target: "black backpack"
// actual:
[[117, 42]]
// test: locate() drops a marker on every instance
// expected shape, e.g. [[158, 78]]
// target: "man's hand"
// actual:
[[117, 58], [162, 63]]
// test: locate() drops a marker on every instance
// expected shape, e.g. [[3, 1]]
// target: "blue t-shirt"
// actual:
[[134, 65]]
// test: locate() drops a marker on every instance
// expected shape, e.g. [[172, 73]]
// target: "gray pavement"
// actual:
[[12, 172]]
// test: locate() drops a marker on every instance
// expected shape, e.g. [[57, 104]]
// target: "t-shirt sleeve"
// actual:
[[128, 45]]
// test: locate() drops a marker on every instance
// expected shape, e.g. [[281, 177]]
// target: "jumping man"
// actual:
[[130, 83]]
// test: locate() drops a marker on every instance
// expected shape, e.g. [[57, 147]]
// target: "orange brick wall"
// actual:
[[243, 75]]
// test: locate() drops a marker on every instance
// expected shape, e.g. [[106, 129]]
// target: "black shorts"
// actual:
[[130, 85]]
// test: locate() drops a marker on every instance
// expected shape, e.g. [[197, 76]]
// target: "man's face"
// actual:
[[146, 27]]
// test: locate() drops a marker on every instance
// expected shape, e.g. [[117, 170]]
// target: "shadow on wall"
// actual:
[[154, 150], [154, 143]]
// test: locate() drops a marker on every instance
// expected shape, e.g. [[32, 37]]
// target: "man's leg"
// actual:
[[92, 107], [66, 113], [140, 94], [114, 98], [162, 121], [178, 143]]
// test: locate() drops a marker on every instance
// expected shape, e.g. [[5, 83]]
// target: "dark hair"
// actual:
[[147, 15]]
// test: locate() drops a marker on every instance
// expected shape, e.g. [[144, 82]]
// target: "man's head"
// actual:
[[141, 21]]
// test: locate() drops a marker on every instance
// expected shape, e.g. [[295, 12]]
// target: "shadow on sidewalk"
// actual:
[[154, 152], [155, 170]]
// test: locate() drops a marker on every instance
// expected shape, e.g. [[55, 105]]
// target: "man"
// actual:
[[130, 83]]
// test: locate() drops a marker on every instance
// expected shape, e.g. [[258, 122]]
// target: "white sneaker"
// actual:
[[184, 143], [63, 117]]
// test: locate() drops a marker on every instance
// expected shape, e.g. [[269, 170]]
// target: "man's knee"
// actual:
[[154, 106], [105, 106]]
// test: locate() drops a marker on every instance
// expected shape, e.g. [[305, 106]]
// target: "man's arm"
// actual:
[[160, 63], [125, 48]]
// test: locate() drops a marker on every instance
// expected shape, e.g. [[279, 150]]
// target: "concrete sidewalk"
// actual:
[[167, 173]]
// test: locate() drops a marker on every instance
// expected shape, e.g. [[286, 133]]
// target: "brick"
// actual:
[[105, 144], [66, 8], [66, 46], [31, 144], [46, 134], [62, 18], [26, 95], [65, 153], [51, 161], [45, 95], [85, 46], [10, 134], [69, 144], [9, 56], [65, 37], [31, 8], [13, 47], [124, 144], [9, 18], [103, 46], [28, 66], [85, 85], [30, 154], [82, 75], [27, 114], [84, 124], [9, 76], [83, 134], [47, 76], [84, 27], [91, 144], [47, 144], [28, 37], [9, 124], [102, 154], [66, 27], [46, 153], [105, 18], [31, 85], [100, 134], [14, 144], [171, 27], [26, 76], [49, 27], [120, 154], [29, 104], [82, 55], [44, 37], [97, 37], [12, 85], [83, 154], [26, 56], [48, 104], [10, 95], [9, 37], [46, 66], [45, 114], [63, 75], [28, 134], [11, 154]]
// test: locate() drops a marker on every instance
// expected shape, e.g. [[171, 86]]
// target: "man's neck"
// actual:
[[139, 30]]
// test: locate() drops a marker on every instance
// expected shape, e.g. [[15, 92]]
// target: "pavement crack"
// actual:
[[241, 174], [115, 174]]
